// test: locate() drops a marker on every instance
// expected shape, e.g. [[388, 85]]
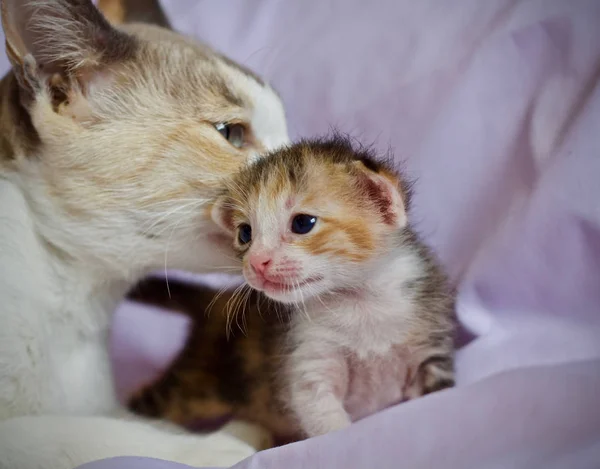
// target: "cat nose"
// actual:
[[260, 262]]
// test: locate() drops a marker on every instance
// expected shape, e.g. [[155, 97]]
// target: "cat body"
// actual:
[[112, 141], [321, 229]]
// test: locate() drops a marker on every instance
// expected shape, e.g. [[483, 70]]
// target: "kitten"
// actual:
[[321, 228], [112, 139]]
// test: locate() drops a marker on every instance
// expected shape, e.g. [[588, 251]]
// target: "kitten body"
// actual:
[[370, 311], [112, 140], [361, 351]]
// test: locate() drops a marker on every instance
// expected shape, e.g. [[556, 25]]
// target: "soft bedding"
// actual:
[[494, 108]]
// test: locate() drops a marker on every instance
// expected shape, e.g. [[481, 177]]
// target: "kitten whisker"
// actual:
[[229, 306], [304, 310], [245, 308], [215, 299]]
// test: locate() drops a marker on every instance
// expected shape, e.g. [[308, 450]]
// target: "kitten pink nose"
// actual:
[[260, 262]]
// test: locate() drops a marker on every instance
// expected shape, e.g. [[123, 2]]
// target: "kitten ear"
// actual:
[[385, 192], [222, 214], [56, 42]]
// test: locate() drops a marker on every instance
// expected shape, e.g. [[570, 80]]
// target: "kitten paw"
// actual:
[[327, 423], [434, 374]]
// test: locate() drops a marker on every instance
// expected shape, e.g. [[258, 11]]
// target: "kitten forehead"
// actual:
[[312, 168]]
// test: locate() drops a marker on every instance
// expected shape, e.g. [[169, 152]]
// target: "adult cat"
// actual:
[[111, 140]]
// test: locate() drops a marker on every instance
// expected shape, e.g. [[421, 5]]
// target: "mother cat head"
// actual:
[[118, 135]]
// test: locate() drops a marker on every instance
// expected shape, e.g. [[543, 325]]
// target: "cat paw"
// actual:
[[252, 434], [219, 449]]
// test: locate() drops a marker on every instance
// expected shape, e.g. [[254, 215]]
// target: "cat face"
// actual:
[[120, 136], [307, 220]]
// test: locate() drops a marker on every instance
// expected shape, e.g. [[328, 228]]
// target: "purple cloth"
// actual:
[[495, 107]]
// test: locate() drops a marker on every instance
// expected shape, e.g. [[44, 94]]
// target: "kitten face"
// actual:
[[124, 134], [311, 219]]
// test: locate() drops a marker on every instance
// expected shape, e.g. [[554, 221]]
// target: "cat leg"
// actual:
[[181, 401], [178, 400], [64, 442]]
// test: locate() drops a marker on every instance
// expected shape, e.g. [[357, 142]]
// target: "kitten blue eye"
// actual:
[[302, 224], [244, 233]]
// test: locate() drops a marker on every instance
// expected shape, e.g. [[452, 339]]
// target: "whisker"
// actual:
[[166, 257], [215, 299], [304, 310], [245, 308], [228, 307], [191, 206], [258, 302]]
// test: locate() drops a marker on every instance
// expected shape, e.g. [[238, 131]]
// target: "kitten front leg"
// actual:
[[319, 412], [317, 390]]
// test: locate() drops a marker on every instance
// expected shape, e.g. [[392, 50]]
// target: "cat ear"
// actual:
[[385, 192], [134, 11], [222, 214], [56, 43]]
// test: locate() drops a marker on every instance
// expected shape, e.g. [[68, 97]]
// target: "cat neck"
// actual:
[[62, 311], [44, 280]]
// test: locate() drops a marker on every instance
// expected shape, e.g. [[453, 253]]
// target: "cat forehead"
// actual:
[[178, 66], [200, 79]]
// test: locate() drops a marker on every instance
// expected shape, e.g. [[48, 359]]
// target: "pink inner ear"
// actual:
[[379, 192]]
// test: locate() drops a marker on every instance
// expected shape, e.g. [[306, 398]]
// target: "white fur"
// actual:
[[57, 400], [54, 360], [366, 325], [64, 442], [268, 126]]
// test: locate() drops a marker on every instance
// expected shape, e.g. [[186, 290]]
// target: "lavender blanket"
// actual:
[[495, 106]]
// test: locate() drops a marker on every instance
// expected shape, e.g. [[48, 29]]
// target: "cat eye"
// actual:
[[303, 223], [233, 133], [244, 233]]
